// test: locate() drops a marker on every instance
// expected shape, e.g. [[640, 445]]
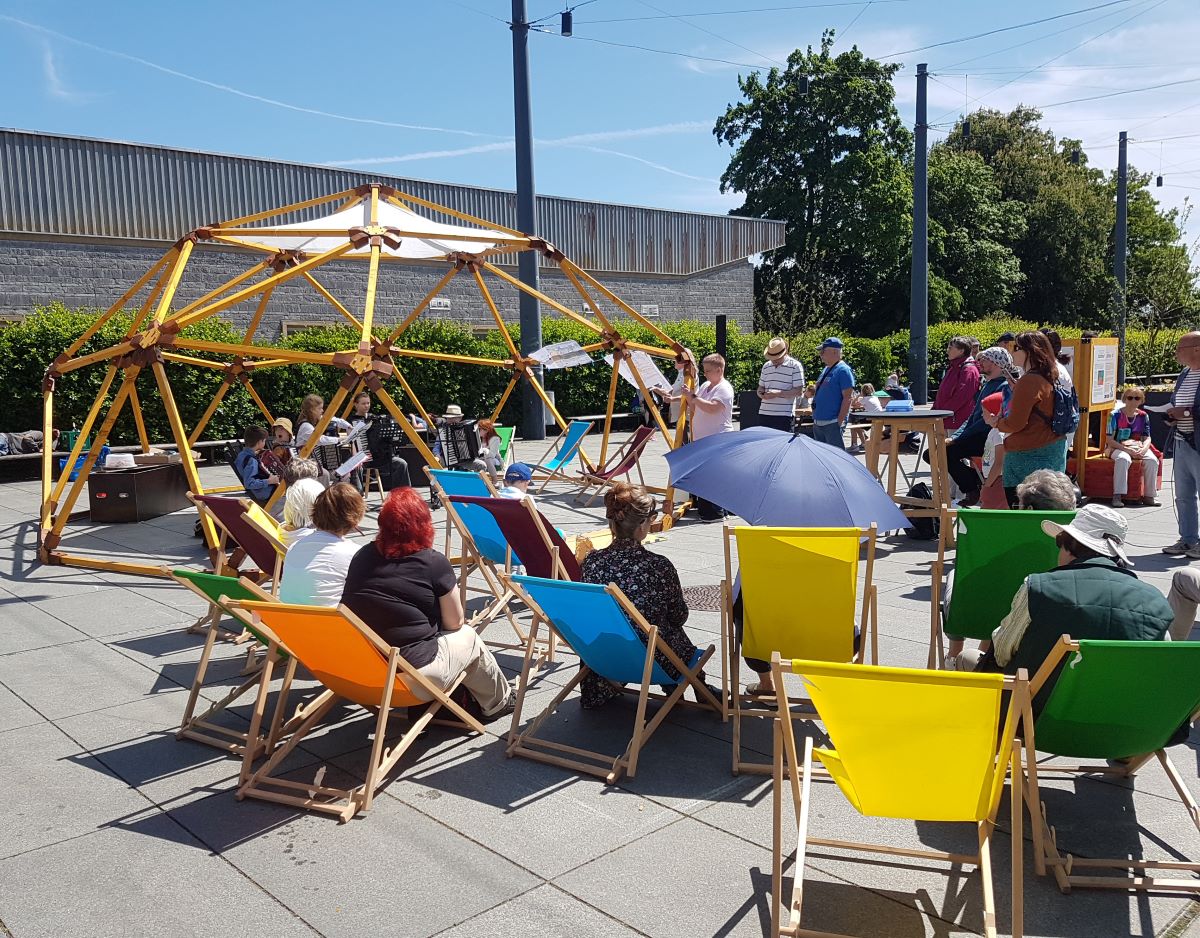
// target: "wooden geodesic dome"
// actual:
[[373, 224]]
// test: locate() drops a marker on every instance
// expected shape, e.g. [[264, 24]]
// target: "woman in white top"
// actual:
[[312, 409], [1064, 379], [314, 570], [297, 509]]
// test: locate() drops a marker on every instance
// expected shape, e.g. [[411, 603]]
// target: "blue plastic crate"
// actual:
[[62, 462]]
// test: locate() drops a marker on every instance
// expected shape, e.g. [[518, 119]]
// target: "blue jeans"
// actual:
[[1186, 474], [829, 433]]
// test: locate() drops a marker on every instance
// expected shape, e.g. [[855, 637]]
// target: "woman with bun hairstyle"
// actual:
[[649, 580], [1030, 442]]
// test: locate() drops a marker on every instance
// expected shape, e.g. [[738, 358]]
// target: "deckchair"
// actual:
[[615, 641], [535, 543], [354, 663], [218, 591], [262, 542], [481, 545], [621, 463], [995, 551], [818, 564], [562, 452], [911, 744], [1118, 701], [506, 443]]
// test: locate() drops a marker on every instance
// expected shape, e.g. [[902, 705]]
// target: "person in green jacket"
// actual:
[[1092, 593]]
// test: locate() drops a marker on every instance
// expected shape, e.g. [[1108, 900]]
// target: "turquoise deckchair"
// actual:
[[615, 641], [1118, 701], [995, 550], [563, 452]]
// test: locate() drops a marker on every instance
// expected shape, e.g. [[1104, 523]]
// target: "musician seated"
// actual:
[[281, 434], [260, 484]]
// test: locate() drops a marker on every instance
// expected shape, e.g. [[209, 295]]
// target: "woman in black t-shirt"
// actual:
[[408, 593]]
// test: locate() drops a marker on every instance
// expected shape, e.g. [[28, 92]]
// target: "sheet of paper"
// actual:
[[646, 368], [352, 463], [1104, 374], [562, 355], [1158, 408]]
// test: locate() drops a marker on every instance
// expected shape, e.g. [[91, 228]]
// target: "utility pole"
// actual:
[[1120, 302], [533, 414], [918, 309]]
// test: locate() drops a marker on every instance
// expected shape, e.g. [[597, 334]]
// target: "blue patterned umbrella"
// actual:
[[769, 477]]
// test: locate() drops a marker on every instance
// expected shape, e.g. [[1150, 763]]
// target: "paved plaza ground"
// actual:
[[112, 827]]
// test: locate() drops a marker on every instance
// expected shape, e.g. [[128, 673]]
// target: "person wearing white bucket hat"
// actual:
[[1091, 594]]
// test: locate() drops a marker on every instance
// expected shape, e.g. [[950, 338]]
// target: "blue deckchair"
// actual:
[[563, 452], [615, 641]]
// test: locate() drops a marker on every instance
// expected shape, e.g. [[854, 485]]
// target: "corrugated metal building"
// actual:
[[81, 218]]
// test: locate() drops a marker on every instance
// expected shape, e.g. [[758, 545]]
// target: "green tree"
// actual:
[[831, 163]]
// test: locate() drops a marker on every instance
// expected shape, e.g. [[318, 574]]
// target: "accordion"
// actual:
[[459, 443]]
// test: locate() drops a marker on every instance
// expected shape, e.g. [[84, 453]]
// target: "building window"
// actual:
[[294, 326], [439, 303], [650, 310]]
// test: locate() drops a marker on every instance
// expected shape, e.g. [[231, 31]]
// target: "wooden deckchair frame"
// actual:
[[590, 762], [786, 762], [156, 339], [341, 803], [1045, 838], [555, 449], [604, 476], [733, 698]]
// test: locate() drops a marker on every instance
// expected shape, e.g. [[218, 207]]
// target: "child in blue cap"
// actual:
[[516, 481]]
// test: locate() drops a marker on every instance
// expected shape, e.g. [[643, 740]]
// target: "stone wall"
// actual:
[[79, 274]]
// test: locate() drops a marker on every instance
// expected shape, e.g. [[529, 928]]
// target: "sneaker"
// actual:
[[1180, 548], [1151, 502], [1193, 552], [504, 710], [1118, 502]]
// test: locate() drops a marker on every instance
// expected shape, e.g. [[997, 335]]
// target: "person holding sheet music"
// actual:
[[312, 409]]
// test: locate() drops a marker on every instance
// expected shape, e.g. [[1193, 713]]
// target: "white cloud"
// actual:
[[55, 86]]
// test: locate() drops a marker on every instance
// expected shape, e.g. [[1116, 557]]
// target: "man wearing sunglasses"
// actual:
[[1185, 402]]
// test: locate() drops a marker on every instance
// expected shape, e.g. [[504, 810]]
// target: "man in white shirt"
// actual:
[[710, 409], [779, 384], [1187, 459]]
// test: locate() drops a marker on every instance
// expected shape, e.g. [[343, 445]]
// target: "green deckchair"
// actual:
[[1115, 701], [506, 438], [220, 590], [996, 551]]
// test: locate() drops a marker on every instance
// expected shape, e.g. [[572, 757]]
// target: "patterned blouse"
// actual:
[[652, 585]]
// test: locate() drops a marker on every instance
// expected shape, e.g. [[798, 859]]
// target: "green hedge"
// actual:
[[28, 347]]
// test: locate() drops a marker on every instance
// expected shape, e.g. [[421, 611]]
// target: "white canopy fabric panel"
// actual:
[[427, 246]]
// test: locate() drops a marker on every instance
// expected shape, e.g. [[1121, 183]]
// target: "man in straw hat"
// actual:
[[781, 382], [1092, 593]]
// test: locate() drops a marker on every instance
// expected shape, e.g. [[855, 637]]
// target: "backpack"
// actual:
[[922, 529], [1065, 419]]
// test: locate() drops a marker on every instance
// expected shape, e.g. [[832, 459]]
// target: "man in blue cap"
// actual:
[[831, 400]]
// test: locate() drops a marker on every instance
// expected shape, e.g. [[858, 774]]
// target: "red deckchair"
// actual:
[[539, 547], [622, 463]]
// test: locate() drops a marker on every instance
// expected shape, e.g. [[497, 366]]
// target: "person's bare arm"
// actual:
[[452, 611], [694, 400], [845, 411]]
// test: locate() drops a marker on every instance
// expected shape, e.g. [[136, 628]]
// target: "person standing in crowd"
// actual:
[[976, 345], [710, 409], [312, 409], [674, 396], [779, 384], [1129, 440], [1031, 442], [1185, 402], [1007, 341], [970, 439], [959, 390], [1065, 380], [831, 400]]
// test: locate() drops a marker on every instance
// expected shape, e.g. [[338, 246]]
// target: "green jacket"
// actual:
[[1087, 599]]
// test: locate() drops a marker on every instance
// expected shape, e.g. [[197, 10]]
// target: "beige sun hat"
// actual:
[[775, 347], [1098, 527], [453, 410], [283, 422]]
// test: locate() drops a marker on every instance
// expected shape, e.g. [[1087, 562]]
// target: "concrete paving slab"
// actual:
[[112, 612], [158, 886], [15, 713], [24, 626], [393, 864], [545, 910]]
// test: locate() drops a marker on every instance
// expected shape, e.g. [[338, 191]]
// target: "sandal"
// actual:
[[757, 690]]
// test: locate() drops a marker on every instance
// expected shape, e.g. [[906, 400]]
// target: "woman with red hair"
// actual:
[[408, 593]]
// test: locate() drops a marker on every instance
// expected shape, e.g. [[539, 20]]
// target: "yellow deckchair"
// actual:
[[351, 661], [911, 744], [799, 589]]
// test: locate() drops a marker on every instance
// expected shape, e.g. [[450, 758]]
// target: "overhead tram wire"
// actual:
[[1055, 58], [627, 45], [1005, 29], [849, 26], [1116, 94], [684, 19], [780, 9]]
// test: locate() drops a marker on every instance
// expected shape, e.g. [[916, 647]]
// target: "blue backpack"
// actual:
[[1065, 419]]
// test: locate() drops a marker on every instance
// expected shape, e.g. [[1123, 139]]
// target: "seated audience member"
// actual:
[[408, 593], [260, 484], [1184, 597], [1090, 595], [298, 469], [489, 448], [649, 580], [1129, 440], [314, 570], [804, 401], [867, 402], [991, 493], [312, 409], [297, 509], [1047, 490], [516, 481]]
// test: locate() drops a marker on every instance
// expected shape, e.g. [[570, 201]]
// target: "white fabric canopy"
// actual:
[[426, 247]]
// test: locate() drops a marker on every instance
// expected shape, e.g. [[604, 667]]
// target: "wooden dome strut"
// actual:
[[155, 338]]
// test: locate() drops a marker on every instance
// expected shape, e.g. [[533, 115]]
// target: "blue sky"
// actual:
[[424, 89]]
